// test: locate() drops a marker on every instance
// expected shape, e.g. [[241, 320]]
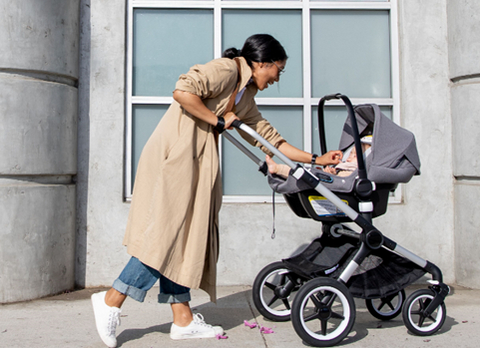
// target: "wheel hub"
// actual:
[[324, 313]]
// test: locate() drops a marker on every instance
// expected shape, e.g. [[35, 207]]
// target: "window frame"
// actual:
[[307, 102]]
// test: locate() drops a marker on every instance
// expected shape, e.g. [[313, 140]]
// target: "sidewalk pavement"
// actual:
[[67, 321]]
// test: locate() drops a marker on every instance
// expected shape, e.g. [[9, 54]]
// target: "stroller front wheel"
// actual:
[[323, 312], [273, 291], [386, 308], [414, 316]]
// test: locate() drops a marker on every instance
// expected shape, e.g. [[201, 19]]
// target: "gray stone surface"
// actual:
[[466, 130], [70, 324], [464, 48], [37, 240], [467, 236], [39, 135], [38, 146], [40, 36], [463, 34]]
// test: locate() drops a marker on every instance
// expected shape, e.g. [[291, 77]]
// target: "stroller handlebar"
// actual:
[[240, 125]]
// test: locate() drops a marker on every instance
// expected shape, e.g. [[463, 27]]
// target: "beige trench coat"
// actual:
[[173, 220]]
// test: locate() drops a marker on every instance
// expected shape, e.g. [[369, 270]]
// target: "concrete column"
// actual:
[[464, 50], [38, 146]]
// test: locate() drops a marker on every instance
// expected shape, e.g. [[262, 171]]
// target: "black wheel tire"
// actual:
[[393, 305], [412, 313], [265, 291], [323, 312]]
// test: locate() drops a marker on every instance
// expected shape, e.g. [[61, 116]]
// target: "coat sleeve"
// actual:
[[253, 118], [209, 80]]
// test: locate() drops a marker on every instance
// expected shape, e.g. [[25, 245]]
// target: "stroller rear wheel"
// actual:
[[414, 316], [323, 312], [386, 308], [273, 291]]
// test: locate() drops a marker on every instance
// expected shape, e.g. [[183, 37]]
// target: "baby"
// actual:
[[342, 169]]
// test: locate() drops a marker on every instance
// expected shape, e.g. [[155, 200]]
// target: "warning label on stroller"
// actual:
[[323, 207]]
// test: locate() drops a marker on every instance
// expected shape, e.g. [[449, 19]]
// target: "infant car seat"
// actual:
[[393, 159]]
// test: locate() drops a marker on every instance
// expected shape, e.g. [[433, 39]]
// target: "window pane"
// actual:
[[285, 26], [240, 173], [166, 43], [351, 53], [335, 117], [145, 119]]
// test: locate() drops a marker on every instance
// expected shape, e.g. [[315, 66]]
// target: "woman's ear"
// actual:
[[257, 65]]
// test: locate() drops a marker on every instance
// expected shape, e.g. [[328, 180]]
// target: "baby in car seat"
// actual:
[[342, 169]]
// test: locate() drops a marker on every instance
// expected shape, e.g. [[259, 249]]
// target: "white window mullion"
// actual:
[[349, 5], [172, 4], [395, 61], [307, 77], [217, 29], [280, 101], [128, 102]]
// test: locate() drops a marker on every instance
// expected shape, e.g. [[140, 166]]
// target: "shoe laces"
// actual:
[[198, 319], [113, 321]]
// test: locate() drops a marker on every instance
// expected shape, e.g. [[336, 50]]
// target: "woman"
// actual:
[[172, 229]]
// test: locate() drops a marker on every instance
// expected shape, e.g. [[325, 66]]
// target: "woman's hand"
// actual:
[[331, 157], [229, 118]]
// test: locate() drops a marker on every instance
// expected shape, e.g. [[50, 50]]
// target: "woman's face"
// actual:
[[266, 74]]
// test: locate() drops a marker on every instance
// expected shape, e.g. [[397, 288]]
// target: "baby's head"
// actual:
[[353, 153]]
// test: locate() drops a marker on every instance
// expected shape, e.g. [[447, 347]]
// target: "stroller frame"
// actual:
[[370, 239]]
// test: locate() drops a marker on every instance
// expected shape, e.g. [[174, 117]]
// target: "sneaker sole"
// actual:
[[186, 337]]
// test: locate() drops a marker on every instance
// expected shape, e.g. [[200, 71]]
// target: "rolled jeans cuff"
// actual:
[[174, 298], [135, 293]]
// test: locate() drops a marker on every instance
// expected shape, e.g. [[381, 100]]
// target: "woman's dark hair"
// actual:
[[260, 48]]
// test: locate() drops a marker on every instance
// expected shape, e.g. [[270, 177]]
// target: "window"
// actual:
[[333, 46]]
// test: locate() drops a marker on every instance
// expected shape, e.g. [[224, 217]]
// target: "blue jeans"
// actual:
[[137, 278]]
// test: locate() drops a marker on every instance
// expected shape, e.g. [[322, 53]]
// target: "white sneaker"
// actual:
[[107, 318], [196, 329]]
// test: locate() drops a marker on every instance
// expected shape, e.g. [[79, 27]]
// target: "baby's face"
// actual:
[[353, 156]]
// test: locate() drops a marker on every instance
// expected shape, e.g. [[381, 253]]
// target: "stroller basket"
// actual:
[[381, 274]]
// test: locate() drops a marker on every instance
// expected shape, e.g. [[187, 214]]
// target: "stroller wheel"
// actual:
[[323, 312], [273, 291], [386, 308], [414, 317]]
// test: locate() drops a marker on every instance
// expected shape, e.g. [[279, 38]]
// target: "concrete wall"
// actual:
[[101, 210], [38, 135], [423, 223], [464, 51]]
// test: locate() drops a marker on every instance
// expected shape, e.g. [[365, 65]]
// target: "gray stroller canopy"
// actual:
[[393, 157]]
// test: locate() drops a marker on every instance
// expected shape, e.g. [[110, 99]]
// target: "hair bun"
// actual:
[[231, 53]]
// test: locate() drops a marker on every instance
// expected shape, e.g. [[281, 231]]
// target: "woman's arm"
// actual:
[[194, 106], [297, 155]]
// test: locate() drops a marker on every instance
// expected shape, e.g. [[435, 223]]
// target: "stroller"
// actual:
[[315, 289]]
